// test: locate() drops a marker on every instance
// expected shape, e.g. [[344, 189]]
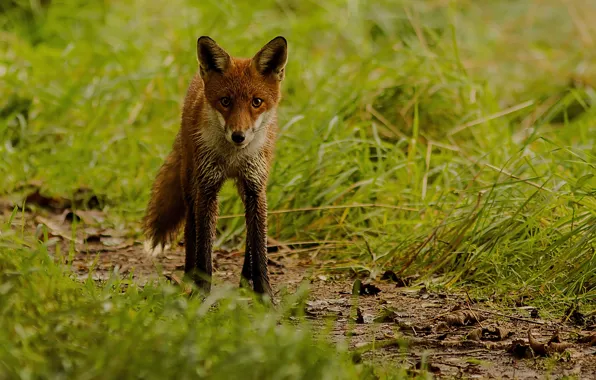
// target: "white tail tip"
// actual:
[[154, 252]]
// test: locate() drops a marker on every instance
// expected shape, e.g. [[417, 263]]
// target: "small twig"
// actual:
[[303, 250], [579, 24], [379, 344], [370, 109], [508, 316], [496, 115], [458, 366], [174, 279], [502, 170], [338, 207], [271, 242], [460, 353], [468, 302]]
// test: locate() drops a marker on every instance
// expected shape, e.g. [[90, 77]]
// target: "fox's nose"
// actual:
[[238, 137]]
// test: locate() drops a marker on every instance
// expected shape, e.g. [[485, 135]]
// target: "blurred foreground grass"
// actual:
[[468, 127], [54, 327]]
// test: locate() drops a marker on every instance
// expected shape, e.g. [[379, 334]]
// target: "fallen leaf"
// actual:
[[546, 349], [369, 290], [58, 229], [276, 246], [387, 315], [89, 217], [423, 293], [427, 367], [590, 339], [475, 334], [110, 232], [390, 275], [441, 336], [558, 347], [38, 199], [323, 308], [359, 316], [426, 329], [91, 235], [462, 318], [364, 289], [556, 338], [537, 347], [104, 244], [405, 326], [86, 198], [112, 241], [338, 301], [316, 307], [495, 333], [177, 281], [5, 204], [356, 358], [442, 327], [575, 316], [274, 263], [92, 239], [520, 349], [83, 198]]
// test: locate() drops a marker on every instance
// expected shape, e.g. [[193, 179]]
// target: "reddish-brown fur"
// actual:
[[204, 156]]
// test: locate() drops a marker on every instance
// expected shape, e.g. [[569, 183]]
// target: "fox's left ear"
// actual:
[[272, 58]]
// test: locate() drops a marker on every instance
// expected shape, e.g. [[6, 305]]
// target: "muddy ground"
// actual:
[[390, 321], [398, 324]]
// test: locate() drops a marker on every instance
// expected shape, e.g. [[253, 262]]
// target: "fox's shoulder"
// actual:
[[195, 95], [196, 89]]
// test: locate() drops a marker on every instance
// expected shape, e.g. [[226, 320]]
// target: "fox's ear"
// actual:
[[272, 58], [211, 56]]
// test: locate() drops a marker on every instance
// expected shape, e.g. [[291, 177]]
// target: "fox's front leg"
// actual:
[[246, 275], [255, 261], [205, 214]]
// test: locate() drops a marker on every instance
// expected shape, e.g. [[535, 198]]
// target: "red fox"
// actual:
[[228, 130]]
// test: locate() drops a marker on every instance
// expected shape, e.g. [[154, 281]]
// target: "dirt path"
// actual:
[[388, 324], [426, 322]]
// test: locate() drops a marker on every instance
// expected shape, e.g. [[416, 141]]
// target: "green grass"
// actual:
[[55, 327], [469, 126]]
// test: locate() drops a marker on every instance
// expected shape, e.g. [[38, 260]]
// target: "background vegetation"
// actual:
[[454, 139]]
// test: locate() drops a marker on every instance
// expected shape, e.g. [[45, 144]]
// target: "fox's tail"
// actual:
[[166, 209]]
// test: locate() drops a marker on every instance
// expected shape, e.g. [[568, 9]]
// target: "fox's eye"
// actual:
[[225, 101], [256, 102]]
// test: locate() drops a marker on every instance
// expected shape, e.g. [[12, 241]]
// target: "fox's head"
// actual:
[[242, 93]]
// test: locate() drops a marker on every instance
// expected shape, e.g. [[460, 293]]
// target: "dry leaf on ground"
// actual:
[[549, 348], [462, 318]]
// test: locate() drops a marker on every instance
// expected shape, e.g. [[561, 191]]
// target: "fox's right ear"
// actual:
[[211, 56]]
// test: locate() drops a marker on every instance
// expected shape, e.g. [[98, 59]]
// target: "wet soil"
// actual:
[[396, 326]]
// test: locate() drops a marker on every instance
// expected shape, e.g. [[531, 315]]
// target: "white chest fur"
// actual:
[[217, 148]]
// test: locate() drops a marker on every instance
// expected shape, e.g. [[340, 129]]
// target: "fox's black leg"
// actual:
[[246, 275], [190, 243], [256, 238], [206, 211]]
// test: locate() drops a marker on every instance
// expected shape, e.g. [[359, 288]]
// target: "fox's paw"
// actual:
[[157, 251]]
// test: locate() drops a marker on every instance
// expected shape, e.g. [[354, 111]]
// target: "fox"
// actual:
[[228, 130]]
